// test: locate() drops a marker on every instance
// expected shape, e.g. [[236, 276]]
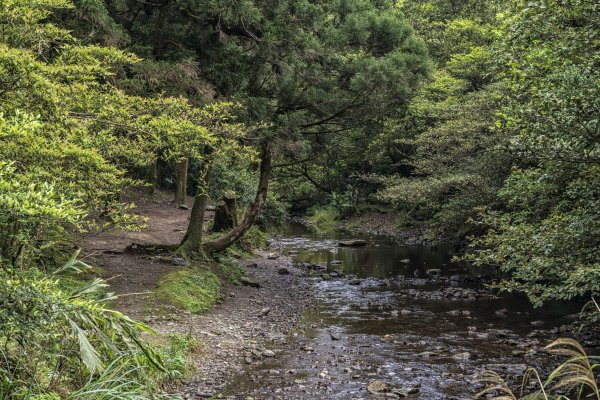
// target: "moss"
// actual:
[[192, 289]]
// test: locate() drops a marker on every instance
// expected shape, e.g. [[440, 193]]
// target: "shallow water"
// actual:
[[394, 326]]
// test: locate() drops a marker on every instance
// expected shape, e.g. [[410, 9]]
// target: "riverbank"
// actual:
[[311, 319]]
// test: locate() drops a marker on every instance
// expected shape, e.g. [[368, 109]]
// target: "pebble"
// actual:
[[268, 353], [376, 386], [461, 356]]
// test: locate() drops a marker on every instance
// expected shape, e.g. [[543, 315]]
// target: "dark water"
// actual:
[[395, 326], [381, 258]]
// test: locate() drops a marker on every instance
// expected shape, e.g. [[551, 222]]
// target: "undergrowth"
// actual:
[[59, 340], [231, 270]]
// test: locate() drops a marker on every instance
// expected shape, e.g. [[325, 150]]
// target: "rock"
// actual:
[[180, 262], [249, 282], [434, 272], [394, 313], [265, 311], [405, 261], [336, 262], [283, 271], [427, 354], [537, 323], [273, 256], [461, 356], [248, 360], [502, 312], [376, 386], [405, 392], [335, 335], [353, 243], [453, 312], [268, 353], [405, 312], [326, 277], [184, 207]]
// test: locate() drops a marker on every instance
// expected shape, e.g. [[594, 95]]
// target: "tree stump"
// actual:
[[226, 213]]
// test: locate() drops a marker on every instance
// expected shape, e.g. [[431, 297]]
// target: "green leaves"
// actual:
[[548, 235]]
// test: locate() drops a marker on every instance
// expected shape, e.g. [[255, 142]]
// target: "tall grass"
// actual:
[[576, 377]]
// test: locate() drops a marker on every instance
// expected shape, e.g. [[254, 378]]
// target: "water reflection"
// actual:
[[380, 258]]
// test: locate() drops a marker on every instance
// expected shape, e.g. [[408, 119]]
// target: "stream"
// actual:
[[396, 321]]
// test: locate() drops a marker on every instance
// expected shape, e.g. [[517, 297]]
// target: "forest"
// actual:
[[188, 187]]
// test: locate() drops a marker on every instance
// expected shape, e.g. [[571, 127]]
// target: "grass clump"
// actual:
[[193, 290], [231, 270], [323, 219], [176, 351]]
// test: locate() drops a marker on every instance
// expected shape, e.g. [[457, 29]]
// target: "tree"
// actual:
[[307, 71], [547, 235], [446, 155]]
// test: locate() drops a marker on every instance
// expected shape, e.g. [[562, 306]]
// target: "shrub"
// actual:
[[55, 342]]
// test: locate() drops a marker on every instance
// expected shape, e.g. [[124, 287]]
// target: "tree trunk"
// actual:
[[181, 182], [231, 203], [192, 240], [236, 233], [153, 176]]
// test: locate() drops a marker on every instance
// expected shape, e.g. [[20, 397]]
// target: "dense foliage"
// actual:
[[547, 234]]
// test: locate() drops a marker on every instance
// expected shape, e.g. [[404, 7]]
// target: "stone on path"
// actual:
[[249, 282]]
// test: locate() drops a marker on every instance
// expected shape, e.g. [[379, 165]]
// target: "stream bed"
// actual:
[[395, 321]]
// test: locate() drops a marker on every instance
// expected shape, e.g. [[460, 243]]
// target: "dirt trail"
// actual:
[[244, 327]]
